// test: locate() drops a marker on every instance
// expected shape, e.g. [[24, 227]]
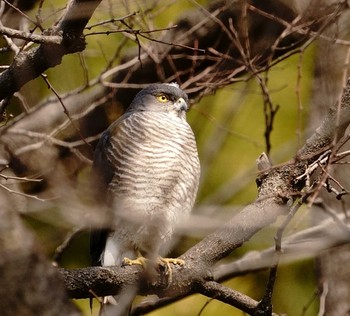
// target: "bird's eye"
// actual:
[[162, 98]]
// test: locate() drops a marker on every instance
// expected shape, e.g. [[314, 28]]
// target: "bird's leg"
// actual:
[[165, 262]]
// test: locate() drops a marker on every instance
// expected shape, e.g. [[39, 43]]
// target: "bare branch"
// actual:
[[229, 296], [36, 38], [305, 244], [28, 65], [21, 193]]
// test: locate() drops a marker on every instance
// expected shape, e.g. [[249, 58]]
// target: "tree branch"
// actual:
[[307, 243], [36, 38], [28, 65], [229, 296]]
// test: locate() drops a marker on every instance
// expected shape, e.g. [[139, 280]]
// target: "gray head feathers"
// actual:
[[160, 97], [174, 84]]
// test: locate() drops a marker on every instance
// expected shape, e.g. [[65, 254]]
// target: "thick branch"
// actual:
[[28, 65], [307, 243], [193, 277], [224, 294], [239, 229], [199, 259], [45, 39]]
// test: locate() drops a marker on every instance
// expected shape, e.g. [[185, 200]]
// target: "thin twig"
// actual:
[[89, 27], [65, 110], [35, 197], [63, 246], [20, 12]]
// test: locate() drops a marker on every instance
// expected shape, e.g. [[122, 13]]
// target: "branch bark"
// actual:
[[28, 65], [307, 243]]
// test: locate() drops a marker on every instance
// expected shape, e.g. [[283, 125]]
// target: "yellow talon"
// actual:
[[166, 262], [175, 261], [140, 261]]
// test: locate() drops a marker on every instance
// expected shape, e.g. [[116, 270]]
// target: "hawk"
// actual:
[[146, 169]]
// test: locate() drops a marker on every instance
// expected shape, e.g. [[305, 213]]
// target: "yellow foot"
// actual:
[[165, 262], [140, 261]]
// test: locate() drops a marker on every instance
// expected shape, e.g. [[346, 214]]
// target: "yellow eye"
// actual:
[[162, 98]]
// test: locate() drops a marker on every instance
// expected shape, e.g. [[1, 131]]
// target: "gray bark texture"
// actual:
[[333, 276]]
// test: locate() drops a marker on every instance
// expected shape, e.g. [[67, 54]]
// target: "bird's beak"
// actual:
[[181, 105]]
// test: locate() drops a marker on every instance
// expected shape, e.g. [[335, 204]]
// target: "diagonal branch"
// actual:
[[28, 65], [36, 38], [304, 244]]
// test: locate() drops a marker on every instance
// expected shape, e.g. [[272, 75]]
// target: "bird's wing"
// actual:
[[101, 175]]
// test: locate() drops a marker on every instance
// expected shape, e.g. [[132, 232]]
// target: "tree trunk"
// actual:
[[332, 265]]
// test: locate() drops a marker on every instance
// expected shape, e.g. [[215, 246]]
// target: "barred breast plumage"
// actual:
[[156, 177], [148, 170]]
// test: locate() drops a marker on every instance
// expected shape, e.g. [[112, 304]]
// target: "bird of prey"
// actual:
[[146, 169]]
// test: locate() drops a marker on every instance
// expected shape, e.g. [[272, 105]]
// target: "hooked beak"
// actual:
[[181, 105]]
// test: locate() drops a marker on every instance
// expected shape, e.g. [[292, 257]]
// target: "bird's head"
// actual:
[[161, 97]]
